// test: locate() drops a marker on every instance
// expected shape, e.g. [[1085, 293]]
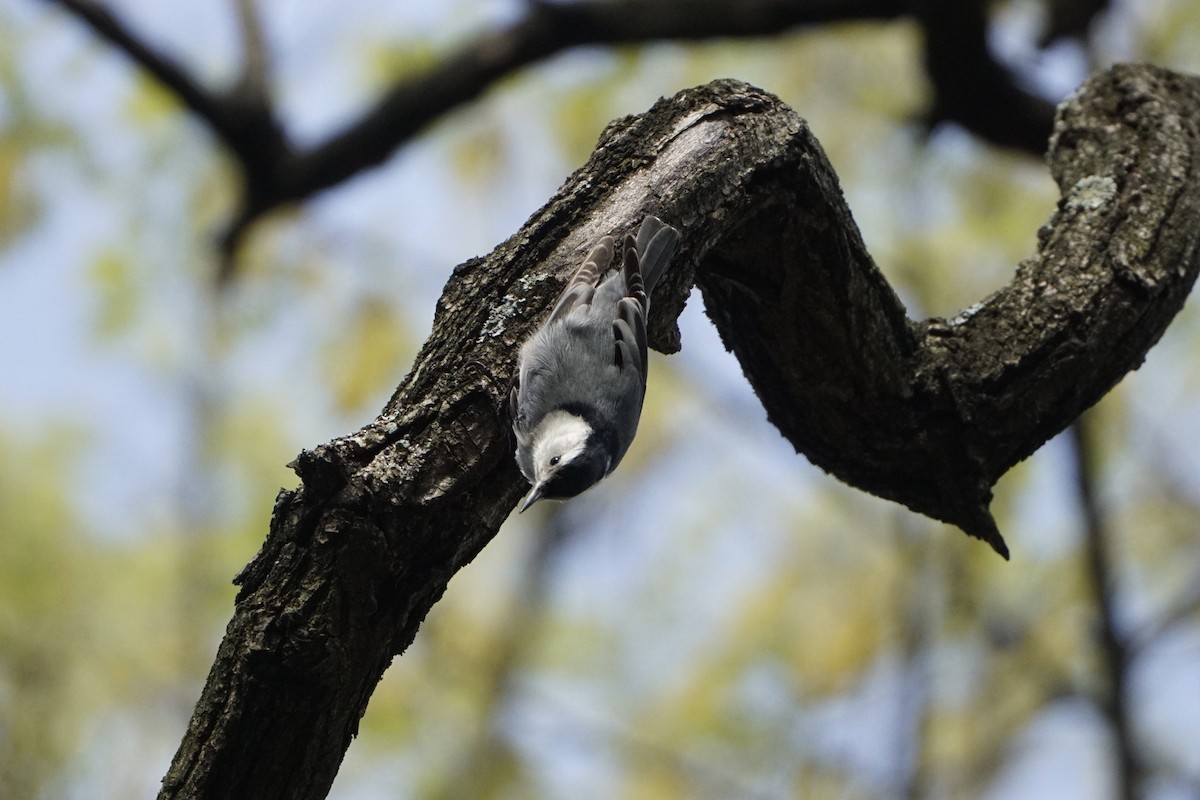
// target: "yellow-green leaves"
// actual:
[[116, 292], [367, 359]]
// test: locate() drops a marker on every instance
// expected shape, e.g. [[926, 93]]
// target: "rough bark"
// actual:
[[929, 414]]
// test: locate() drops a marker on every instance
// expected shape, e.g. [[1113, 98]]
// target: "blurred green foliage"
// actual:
[[744, 641]]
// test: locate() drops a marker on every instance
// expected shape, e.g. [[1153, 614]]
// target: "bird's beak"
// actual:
[[534, 495]]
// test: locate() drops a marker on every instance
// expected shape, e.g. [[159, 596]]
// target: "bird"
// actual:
[[581, 376]]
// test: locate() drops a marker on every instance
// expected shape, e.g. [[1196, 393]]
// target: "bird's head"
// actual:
[[567, 458]]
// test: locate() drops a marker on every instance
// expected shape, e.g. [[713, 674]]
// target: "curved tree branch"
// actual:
[[993, 384], [928, 413]]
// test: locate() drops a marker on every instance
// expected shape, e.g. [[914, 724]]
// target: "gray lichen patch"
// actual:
[[510, 307], [1091, 192]]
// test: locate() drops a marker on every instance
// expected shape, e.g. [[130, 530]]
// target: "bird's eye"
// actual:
[[554, 460]]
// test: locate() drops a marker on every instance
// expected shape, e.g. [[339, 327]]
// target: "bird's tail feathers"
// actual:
[[656, 242], [581, 287], [631, 266]]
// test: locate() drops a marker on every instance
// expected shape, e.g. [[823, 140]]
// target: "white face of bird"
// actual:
[[558, 440]]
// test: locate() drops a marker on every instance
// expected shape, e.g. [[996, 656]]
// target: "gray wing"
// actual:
[[538, 360]]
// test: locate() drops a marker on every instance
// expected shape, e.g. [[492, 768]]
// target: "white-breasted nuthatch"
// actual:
[[581, 377]]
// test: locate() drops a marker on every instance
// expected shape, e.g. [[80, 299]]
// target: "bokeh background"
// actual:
[[719, 619]]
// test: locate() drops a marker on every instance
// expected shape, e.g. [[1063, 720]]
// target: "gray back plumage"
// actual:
[[590, 356]]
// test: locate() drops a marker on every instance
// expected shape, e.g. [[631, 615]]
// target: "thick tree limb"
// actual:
[[969, 86], [994, 383], [929, 414]]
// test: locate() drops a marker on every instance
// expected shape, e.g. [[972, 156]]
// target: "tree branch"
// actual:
[[932, 414], [970, 87], [255, 78], [929, 414], [548, 29], [243, 119], [161, 66], [1115, 657], [227, 117]]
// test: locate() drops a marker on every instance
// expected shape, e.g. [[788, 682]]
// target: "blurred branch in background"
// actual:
[[485, 756], [254, 84], [1183, 609], [1115, 654], [917, 629], [242, 118], [969, 85]]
